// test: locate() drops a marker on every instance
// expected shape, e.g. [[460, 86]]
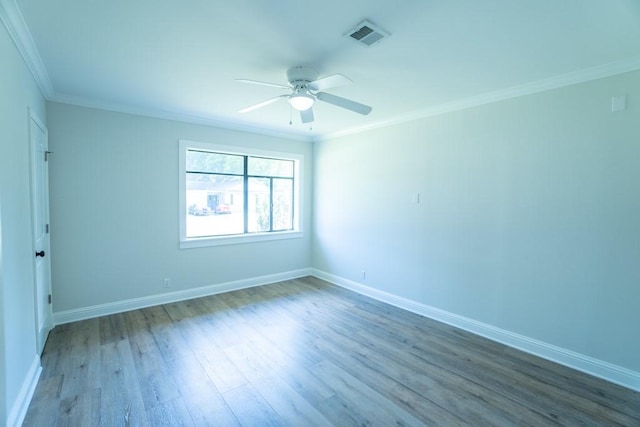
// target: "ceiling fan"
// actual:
[[305, 89]]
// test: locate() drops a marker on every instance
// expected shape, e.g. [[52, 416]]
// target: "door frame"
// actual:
[[44, 319]]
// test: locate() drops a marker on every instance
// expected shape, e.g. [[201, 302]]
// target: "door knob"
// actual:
[[41, 253]]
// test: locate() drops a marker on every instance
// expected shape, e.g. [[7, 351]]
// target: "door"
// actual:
[[38, 139]]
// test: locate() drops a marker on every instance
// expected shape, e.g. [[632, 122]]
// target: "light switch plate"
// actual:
[[618, 103]]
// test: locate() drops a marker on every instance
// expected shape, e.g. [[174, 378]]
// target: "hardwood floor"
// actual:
[[304, 353]]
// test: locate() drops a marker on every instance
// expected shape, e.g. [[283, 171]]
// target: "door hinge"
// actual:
[[46, 228], [49, 299], [46, 155]]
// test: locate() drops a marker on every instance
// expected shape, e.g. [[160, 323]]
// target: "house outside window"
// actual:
[[236, 195]]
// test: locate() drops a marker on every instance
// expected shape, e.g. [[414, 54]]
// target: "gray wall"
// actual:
[[527, 221], [528, 218], [114, 210], [17, 319]]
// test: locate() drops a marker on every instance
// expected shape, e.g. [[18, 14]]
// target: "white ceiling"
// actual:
[[179, 59]]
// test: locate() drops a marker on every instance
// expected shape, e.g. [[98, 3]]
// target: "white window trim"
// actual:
[[197, 242]]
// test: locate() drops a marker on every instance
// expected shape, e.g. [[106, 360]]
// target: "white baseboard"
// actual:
[[598, 368], [74, 315], [21, 404]]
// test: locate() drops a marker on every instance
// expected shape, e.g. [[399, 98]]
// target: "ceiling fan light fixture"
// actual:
[[301, 101]]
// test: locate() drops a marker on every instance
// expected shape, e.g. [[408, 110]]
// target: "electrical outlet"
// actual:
[[363, 274], [167, 282]]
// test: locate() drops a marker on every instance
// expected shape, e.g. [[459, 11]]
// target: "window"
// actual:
[[235, 195]]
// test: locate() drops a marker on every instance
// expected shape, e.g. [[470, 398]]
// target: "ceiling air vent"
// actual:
[[367, 34]]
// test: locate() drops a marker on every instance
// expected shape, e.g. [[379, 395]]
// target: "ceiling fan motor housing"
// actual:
[[301, 76]]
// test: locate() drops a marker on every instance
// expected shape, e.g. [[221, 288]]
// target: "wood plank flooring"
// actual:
[[304, 353]]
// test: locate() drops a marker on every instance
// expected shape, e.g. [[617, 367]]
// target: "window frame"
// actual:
[[194, 242]]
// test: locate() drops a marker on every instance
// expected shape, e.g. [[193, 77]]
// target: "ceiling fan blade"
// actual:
[[356, 107], [306, 115], [334, 80], [256, 82], [261, 104]]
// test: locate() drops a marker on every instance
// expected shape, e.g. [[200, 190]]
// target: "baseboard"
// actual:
[[598, 368], [21, 404], [68, 316]]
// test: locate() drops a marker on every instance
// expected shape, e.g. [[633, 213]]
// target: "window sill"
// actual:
[[200, 242]]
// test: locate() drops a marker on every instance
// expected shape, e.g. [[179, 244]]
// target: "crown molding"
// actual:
[[562, 80], [555, 82], [177, 117], [14, 22]]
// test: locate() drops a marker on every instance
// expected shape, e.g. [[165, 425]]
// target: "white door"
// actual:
[[40, 219]]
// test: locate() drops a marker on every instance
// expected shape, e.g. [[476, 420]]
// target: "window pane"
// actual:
[[214, 205], [259, 216], [282, 204], [270, 167], [206, 161]]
